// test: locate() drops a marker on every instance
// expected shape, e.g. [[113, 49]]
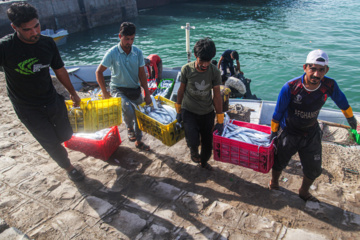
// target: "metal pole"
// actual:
[[56, 20], [187, 36]]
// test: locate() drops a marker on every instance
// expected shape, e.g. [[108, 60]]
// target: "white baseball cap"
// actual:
[[317, 57]]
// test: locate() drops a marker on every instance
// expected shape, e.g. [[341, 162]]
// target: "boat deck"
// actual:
[[262, 110]]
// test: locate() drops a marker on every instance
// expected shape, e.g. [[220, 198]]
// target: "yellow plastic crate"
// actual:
[[168, 134], [77, 116], [94, 115]]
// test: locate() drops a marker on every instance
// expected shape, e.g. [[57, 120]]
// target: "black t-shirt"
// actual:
[[26, 68]]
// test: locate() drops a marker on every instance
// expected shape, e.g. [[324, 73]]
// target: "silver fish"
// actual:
[[159, 112], [247, 135]]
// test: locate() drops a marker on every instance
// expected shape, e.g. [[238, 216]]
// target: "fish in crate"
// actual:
[[159, 111], [244, 144], [100, 144], [159, 120]]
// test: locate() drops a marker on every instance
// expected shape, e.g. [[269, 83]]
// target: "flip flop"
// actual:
[[142, 146], [131, 135], [310, 198], [195, 158]]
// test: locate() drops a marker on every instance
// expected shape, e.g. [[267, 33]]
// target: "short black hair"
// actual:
[[21, 12], [214, 62], [127, 29], [235, 55], [205, 49]]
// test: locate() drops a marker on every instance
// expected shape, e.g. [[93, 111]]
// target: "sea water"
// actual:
[[273, 38]]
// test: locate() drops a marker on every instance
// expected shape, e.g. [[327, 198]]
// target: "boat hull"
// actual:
[[261, 113]]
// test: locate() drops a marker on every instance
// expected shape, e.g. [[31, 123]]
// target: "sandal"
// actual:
[[195, 157], [131, 135], [273, 187], [207, 167], [142, 146], [310, 198]]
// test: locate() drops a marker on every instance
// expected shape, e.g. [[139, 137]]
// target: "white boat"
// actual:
[[261, 110], [81, 76], [59, 35]]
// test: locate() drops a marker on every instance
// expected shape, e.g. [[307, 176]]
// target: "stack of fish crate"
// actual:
[[89, 117]]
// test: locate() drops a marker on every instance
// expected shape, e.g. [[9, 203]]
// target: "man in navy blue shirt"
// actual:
[[299, 103], [227, 61]]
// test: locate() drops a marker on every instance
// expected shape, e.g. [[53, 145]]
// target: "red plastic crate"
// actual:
[[258, 158], [151, 83], [101, 149]]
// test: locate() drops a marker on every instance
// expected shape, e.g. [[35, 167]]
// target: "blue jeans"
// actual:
[[128, 111]]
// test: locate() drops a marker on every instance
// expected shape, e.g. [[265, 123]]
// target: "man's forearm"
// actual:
[[101, 81], [63, 77]]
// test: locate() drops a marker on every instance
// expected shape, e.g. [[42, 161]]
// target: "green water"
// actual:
[[272, 37]]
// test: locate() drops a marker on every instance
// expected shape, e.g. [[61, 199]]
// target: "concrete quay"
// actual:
[[161, 194]]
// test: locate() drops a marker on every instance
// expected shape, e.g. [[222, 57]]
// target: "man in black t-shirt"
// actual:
[[198, 96], [26, 57]]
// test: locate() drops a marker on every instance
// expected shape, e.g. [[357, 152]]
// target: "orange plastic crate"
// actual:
[[258, 158], [101, 149]]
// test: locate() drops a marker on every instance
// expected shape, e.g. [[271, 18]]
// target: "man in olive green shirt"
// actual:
[[200, 81]]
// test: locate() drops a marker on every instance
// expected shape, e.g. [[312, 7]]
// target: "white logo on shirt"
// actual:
[[298, 99], [201, 86]]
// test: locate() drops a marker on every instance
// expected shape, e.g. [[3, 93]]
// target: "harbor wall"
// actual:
[[74, 15], [78, 15], [143, 4]]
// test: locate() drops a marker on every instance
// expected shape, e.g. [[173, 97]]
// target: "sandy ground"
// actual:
[[161, 194]]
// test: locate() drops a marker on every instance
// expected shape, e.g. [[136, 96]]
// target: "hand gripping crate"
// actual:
[[152, 85], [258, 158], [101, 149], [93, 115], [168, 134]]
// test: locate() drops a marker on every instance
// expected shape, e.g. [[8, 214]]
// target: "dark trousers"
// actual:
[[160, 69], [198, 130], [224, 65], [50, 126], [309, 149]]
